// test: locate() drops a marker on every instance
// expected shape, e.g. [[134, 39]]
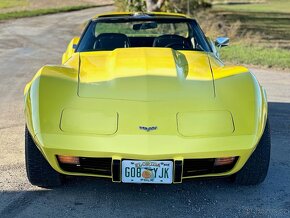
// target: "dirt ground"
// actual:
[[25, 46]]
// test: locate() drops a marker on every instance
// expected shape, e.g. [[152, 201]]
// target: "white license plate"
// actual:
[[135, 171]]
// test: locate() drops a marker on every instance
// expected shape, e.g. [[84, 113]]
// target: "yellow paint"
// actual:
[[211, 123], [145, 74], [70, 49], [93, 122]]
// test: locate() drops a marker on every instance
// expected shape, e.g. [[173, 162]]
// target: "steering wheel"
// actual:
[[178, 44]]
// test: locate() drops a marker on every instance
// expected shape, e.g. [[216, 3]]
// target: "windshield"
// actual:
[[109, 34]]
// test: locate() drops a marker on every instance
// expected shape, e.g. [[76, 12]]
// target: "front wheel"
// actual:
[[38, 170], [255, 170]]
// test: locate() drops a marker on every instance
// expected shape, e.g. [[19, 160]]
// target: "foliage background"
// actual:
[[181, 6]]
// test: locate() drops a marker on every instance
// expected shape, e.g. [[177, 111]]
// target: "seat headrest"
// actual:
[[165, 40], [111, 41]]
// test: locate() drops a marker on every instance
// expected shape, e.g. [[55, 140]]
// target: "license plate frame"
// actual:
[[143, 171]]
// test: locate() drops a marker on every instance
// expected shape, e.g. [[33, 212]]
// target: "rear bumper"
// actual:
[[146, 147]]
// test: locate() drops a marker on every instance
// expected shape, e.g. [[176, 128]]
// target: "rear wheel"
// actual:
[[255, 170], [38, 170]]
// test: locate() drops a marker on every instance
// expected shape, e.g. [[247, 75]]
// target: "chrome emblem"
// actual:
[[148, 129]]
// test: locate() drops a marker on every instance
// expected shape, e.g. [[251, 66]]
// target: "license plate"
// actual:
[[147, 171]]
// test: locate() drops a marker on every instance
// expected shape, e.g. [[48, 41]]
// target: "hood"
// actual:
[[145, 74]]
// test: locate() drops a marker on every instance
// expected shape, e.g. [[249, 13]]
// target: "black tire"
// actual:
[[255, 170], [38, 170]]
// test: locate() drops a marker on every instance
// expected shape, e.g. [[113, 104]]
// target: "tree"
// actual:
[[154, 5], [181, 6]]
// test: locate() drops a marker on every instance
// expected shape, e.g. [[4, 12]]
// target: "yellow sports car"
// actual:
[[144, 98]]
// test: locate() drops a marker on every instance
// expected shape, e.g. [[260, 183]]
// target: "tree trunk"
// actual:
[[154, 5]]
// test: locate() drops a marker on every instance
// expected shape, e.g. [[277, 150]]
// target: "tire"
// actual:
[[38, 170], [255, 170]]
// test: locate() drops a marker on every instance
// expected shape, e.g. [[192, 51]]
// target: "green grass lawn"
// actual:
[[272, 27], [10, 9], [38, 12], [270, 21], [255, 55], [12, 3], [278, 6]]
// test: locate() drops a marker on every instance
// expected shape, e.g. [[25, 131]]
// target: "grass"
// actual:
[[12, 3], [273, 28], [278, 6], [263, 37], [270, 20], [255, 55], [38, 12]]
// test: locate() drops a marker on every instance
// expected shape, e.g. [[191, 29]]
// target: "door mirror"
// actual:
[[222, 41], [70, 49]]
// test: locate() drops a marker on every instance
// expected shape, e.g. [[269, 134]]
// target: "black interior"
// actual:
[[141, 41], [111, 41], [172, 41]]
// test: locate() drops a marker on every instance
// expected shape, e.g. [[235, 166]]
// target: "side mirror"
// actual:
[[222, 41], [70, 49]]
